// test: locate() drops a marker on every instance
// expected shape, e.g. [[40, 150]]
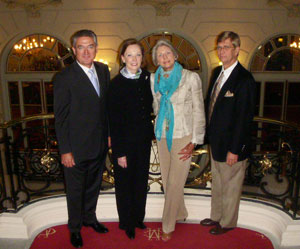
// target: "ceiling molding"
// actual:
[[293, 6], [163, 7], [32, 7]]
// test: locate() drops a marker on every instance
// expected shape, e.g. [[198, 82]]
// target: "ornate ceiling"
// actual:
[[31, 6], [293, 6], [163, 7]]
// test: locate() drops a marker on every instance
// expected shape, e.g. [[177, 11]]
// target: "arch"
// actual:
[[279, 53], [184, 40], [28, 64]]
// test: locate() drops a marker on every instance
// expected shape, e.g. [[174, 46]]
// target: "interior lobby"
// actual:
[[35, 44]]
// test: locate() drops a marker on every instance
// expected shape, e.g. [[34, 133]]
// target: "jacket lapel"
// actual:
[[229, 83], [101, 78]]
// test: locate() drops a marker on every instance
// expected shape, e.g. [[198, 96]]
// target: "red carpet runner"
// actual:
[[186, 236]]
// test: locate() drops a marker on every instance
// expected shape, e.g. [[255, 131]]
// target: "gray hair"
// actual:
[[82, 33], [159, 43], [234, 38]]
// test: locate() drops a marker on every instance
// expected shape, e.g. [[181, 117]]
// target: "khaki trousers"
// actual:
[[226, 191], [174, 173]]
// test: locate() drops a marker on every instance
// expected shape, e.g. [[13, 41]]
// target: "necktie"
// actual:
[[94, 81], [215, 94]]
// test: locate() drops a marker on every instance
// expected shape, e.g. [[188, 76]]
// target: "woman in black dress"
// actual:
[[131, 131]]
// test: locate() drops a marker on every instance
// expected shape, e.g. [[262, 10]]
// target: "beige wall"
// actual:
[[116, 20]]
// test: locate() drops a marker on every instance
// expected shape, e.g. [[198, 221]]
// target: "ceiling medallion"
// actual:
[[163, 7], [293, 6], [32, 7]]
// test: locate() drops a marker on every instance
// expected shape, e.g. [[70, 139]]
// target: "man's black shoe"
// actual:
[[141, 225], [97, 226], [208, 222], [122, 226], [76, 240], [130, 233], [218, 230]]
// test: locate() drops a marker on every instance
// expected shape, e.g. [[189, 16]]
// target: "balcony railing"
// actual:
[[30, 166]]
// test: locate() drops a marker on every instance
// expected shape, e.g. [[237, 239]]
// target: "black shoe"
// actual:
[[208, 222], [97, 226], [76, 240], [122, 226], [140, 225], [130, 233], [218, 230]]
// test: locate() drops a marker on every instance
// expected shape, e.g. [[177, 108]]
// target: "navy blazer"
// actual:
[[230, 126], [81, 122]]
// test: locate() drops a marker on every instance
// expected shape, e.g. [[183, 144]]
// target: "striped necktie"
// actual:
[[215, 94], [94, 81]]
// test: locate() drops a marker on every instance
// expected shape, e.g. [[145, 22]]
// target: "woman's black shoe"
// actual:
[[141, 225], [130, 233]]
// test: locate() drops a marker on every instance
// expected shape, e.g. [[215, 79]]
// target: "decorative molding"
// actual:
[[293, 6], [32, 7], [163, 7]]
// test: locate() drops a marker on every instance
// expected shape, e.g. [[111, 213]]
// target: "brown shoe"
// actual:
[[217, 230], [166, 236], [208, 222]]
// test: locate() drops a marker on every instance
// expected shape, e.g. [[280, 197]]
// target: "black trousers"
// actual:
[[131, 183], [83, 182]]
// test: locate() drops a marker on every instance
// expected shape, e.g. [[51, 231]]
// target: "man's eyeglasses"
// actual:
[[226, 48]]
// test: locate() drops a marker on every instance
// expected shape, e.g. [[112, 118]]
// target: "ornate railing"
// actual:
[[30, 167]]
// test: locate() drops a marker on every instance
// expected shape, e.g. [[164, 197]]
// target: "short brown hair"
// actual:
[[125, 44], [234, 38]]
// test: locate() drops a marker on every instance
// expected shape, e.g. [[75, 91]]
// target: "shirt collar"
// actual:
[[86, 69], [228, 70]]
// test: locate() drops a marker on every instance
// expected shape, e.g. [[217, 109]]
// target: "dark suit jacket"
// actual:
[[230, 126], [80, 114], [130, 108]]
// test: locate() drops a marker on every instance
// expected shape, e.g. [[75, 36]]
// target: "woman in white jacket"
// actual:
[[179, 126]]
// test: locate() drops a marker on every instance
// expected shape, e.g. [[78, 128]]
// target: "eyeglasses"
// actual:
[[226, 48]]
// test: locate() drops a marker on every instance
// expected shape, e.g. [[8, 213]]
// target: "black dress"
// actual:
[[131, 131]]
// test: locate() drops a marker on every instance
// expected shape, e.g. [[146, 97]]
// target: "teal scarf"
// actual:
[[166, 87]]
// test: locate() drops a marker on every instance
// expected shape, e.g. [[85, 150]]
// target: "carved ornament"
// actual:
[[32, 7], [163, 7], [293, 6]]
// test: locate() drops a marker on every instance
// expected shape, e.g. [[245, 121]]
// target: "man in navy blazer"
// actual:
[[82, 129], [230, 105]]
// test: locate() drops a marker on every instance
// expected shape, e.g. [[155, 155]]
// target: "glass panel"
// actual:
[[257, 98], [257, 64], [293, 103], [280, 41], [281, 61], [273, 100], [49, 96], [31, 92], [32, 109], [176, 40], [61, 50], [40, 59], [194, 63], [14, 99], [296, 60], [268, 48], [47, 41], [68, 61], [13, 64]]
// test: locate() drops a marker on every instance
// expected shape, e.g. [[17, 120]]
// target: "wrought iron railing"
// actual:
[[30, 166]]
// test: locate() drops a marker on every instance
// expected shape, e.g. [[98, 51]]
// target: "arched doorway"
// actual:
[[276, 68], [30, 65]]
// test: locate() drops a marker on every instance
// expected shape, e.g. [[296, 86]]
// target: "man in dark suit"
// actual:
[[82, 129], [230, 107]]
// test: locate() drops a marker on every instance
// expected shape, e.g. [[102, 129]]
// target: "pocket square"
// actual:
[[229, 94]]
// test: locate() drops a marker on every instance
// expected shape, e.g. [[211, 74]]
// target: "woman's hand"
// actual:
[[122, 161], [186, 152]]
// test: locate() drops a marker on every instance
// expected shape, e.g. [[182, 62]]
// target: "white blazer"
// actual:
[[187, 100]]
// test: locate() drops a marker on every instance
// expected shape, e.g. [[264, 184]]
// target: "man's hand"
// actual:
[[67, 160], [231, 158], [122, 161], [109, 142], [186, 152]]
